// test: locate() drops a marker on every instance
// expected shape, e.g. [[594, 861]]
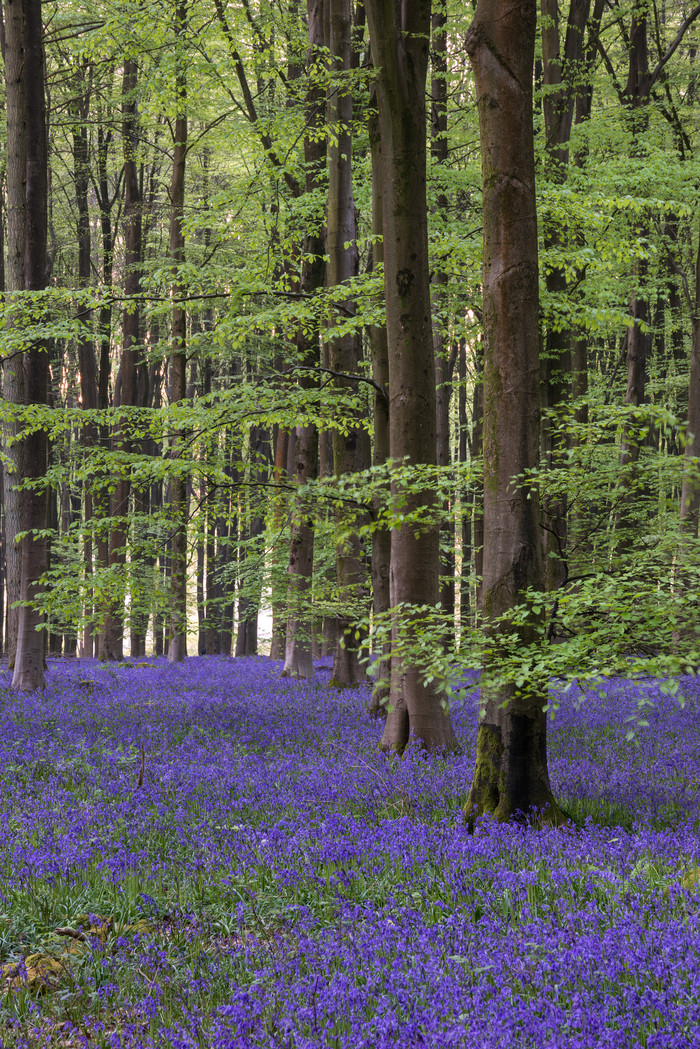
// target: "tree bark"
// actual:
[[29, 660], [690, 489], [636, 98], [100, 490], [351, 446], [177, 645], [13, 369], [511, 777], [251, 550], [560, 73], [466, 504], [113, 638], [298, 660], [444, 360], [400, 39], [86, 346], [279, 502], [381, 536]]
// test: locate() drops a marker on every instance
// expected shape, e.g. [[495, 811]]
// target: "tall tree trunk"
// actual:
[[381, 536], [202, 536], [142, 556], [113, 638], [400, 35], [297, 653], [477, 451], [100, 488], [560, 74], [511, 776], [29, 659], [3, 560], [466, 498], [13, 368], [227, 545], [177, 646], [690, 489], [86, 345], [444, 361], [279, 502], [251, 551], [636, 98], [351, 446], [297, 656], [3, 538]]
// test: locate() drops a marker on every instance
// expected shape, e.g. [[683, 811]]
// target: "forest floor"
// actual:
[[276, 881]]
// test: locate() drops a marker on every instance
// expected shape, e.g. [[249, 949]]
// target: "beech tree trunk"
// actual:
[[690, 490], [381, 536], [477, 450], [466, 499], [511, 777], [252, 552], [350, 448], [279, 502], [13, 369], [636, 98], [113, 638], [100, 490], [298, 660], [86, 345], [444, 359], [177, 645], [29, 659], [400, 40], [561, 71]]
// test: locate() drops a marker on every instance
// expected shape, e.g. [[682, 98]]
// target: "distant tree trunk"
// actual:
[[279, 502], [351, 451], [86, 345], [227, 548], [100, 487], [113, 638], [214, 592], [400, 37], [690, 490], [560, 73], [29, 660], [251, 551], [444, 361], [202, 536], [142, 557], [297, 657], [467, 497], [511, 776], [578, 523], [13, 369], [381, 536], [54, 636], [177, 646], [636, 98], [3, 538], [3, 559]]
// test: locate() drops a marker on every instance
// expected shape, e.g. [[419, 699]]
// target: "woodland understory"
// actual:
[[207, 854], [376, 323]]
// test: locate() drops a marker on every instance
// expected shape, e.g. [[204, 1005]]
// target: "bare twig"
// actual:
[[75, 934]]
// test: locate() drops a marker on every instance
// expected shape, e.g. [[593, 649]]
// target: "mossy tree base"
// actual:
[[511, 782]]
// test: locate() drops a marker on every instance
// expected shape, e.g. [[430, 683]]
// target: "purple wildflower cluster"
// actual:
[[278, 882]]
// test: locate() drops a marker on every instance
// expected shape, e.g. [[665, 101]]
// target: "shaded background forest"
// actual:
[[212, 314]]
